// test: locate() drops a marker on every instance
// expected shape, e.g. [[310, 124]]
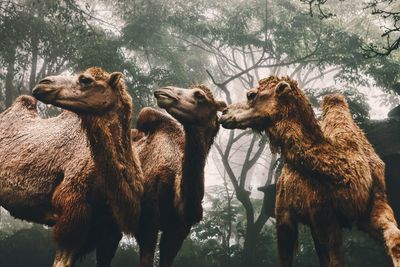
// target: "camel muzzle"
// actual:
[[165, 93], [46, 81], [227, 122], [43, 93]]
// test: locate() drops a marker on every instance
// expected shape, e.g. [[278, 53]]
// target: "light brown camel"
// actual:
[[327, 181], [173, 159], [44, 180], [104, 109]]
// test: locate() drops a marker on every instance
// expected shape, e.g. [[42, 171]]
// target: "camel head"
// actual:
[[94, 91], [272, 101], [194, 106]]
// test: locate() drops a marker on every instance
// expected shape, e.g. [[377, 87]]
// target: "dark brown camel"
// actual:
[[173, 159], [328, 181], [84, 160]]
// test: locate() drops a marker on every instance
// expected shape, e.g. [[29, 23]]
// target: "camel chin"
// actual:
[[229, 124], [164, 102]]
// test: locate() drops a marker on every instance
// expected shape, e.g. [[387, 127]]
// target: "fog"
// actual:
[[350, 47]]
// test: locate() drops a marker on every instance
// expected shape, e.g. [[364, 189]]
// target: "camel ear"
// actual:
[[221, 105], [282, 88], [114, 79]]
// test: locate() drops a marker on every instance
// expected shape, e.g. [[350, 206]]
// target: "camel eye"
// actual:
[[85, 81], [251, 95], [199, 96]]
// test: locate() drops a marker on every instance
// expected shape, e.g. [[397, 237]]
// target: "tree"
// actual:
[[36, 33], [41, 38], [387, 10]]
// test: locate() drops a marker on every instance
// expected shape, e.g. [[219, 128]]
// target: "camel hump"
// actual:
[[26, 101], [136, 135], [151, 120], [334, 100]]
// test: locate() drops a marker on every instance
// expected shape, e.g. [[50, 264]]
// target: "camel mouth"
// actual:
[[234, 122], [165, 97], [44, 93], [228, 122], [165, 93], [229, 125]]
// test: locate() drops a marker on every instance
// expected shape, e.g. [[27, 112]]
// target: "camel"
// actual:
[[173, 156], [44, 180], [329, 181], [67, 171]]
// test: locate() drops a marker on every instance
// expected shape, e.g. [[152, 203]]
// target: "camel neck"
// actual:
[[297, 141], [197, 145], [114, 159], [108, 137], [198, 141], [305, 149], [296, 135]]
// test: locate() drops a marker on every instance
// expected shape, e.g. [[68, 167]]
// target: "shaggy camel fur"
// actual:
[[173, 159], [44, 180], [339, 127], [328, 181], [104, 107]]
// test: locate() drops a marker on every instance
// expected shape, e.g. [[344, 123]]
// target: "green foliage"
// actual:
[[157, 47], [98, 49], [163, 42], [284, 33]]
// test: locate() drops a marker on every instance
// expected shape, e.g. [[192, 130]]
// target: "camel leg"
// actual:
[[148, 230], [383, 225], [71, 230], [287, 233], [108, 245], [147, 240], [64, 258], [170, 243], [327, 236]]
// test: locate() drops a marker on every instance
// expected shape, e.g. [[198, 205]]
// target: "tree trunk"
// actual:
[[9, 81], [227, 237], [250, 238], [249, 247], [32, 77]]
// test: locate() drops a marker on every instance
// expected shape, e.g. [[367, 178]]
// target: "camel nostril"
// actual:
[[37, 93], [225, 111], [46, 81]]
